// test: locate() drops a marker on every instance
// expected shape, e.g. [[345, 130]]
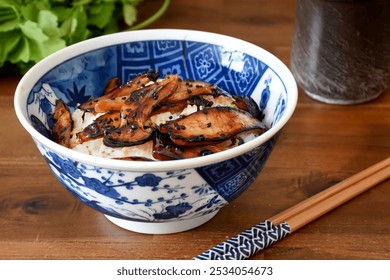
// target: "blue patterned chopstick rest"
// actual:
[[247, 243], [257, 244]]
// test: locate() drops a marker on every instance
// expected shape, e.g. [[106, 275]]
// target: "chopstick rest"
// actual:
[[247, 243], [253, 240]]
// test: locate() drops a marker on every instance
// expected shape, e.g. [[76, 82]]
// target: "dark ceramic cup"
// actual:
[[341, 49]]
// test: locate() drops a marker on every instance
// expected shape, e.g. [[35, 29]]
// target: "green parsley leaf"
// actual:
[[78, 26], [33, 29], [8, 17], [21, 52], [130, 14], [99, 15], [47, 21], [13, 38]]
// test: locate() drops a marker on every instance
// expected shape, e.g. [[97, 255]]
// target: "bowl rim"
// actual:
[[29, 80]]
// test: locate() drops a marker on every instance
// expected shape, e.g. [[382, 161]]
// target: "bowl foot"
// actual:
[[163, 227]]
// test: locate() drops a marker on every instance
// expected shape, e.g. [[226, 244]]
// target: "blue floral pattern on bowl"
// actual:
[[157, 196], [136, 196]]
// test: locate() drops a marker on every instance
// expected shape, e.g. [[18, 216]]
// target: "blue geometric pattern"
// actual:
[[248, 243], [192, 60], [231, 177]]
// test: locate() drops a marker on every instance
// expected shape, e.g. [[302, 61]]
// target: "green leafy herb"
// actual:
[[32, 29]]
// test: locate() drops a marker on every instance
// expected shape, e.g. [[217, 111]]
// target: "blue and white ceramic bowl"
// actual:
[[165, 196]]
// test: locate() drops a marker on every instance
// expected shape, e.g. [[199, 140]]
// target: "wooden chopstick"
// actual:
[[325, 201], [264, 234]]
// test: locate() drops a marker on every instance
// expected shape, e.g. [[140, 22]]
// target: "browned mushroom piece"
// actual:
[[110, 104], [248, 104], [203, 150], [187, 89], [111, 85], [63, 125], [165, 107], [210, 125], [136, 111], [113, 91], [134, 159], [108, 121], [165, 149]]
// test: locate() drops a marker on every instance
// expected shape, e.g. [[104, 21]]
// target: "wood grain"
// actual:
[[325, 201], [321, 145]]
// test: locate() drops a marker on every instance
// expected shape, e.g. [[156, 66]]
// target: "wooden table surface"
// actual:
[[320, 146]]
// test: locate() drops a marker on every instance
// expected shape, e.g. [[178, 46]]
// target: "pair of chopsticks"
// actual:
[[253, 240]]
